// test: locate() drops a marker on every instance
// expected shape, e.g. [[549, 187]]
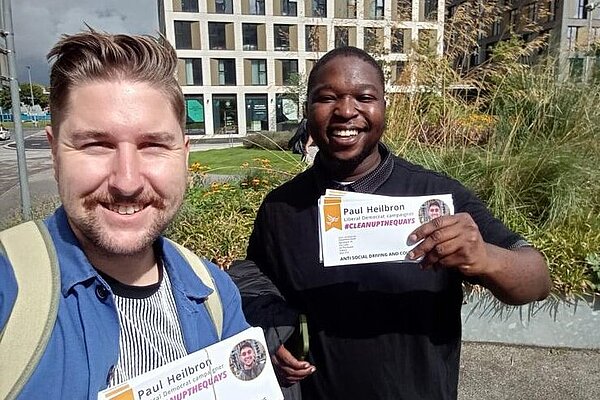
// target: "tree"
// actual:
[[39, 97]]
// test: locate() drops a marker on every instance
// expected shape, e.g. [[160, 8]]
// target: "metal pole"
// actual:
[[16, 109], [590, 6], [31, 94]]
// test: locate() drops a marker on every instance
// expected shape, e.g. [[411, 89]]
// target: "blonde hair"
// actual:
[[98, 56]]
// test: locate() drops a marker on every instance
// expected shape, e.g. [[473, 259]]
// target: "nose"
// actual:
[[126, 178], [346, 107]]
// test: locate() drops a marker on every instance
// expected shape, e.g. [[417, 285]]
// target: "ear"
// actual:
[[186, 145], [53, 141]]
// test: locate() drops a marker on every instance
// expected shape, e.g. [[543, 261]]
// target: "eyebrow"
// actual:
[[88, 134], [365, 86], [159, 136]]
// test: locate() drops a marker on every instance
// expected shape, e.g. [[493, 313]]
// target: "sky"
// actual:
[[38, 24]]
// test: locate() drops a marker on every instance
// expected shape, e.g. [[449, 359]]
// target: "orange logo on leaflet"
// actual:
[[123, 392], [332, 212]]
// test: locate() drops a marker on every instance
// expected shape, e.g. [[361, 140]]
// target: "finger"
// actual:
[[460, 252], [286, 358], [434, 243], [429, 227], [288, 374], [295, 375], [449, 253]]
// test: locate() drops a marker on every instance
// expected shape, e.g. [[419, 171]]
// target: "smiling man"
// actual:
[[130, 302], [382, 330], [434, 210], [250, 367]]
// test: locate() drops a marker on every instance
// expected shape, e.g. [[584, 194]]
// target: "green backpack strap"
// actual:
[[213, 301], [23, 340]]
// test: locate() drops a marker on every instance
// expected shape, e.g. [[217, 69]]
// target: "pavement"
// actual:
[[488, 371], [506, 372]]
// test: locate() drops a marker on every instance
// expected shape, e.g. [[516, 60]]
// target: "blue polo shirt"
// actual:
[[84, 345]]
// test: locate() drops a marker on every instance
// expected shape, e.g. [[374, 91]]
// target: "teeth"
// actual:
[[346, 133], [125, 210]]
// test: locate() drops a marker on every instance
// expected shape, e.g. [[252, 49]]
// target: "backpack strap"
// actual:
[[23, 340], [213, 301]]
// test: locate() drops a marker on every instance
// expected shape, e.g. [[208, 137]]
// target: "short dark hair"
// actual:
[[98, 56], [345, 51], [245, 344], [434, 203]]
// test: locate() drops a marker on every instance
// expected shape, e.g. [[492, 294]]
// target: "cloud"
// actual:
[[38, 24]]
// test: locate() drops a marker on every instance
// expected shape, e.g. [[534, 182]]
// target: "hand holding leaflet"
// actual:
[[357, 228]]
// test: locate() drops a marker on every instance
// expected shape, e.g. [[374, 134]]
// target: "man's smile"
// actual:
[[123, 209], [345, 132]]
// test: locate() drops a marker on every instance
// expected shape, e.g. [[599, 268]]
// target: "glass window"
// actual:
[[193, 71], [250, 36], [311, 35], [341, 36], [257, 113], [216, 36], [256, 7], [194, 110], [189, 5], [224, 6], [289, 70], [289, 8], [531, 12], [400, 67], [371, 40], [581, 11], [496, 25], [286, 112], [377, 8], [259, 72], [282, 37], [431, 7], [572, 32], [183, 34], [397, 41], [225, 114], [226, 72], [320, 8], [551, 10], [576, 68], [512, 19]]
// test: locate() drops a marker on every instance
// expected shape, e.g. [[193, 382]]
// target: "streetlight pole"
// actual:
[[590, 6], [8, 34], [30, 90]]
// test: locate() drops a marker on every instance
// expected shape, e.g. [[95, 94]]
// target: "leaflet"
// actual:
[[359, 228], [236, 368]]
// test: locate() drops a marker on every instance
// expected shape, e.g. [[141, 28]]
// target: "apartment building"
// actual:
[[240, 61], [572, 26]]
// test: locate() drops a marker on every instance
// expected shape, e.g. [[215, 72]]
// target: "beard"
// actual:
[[90, 227]]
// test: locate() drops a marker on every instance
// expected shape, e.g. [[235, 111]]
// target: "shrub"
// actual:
[[216, 219], [525, 143], [268, 140]]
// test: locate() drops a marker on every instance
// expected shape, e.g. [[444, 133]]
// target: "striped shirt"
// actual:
[[150, 334]]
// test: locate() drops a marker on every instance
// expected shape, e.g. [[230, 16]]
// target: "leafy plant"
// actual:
[[217, 217], [593, 260]]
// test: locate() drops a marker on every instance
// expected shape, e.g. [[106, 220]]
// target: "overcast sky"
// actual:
[[38, 24]]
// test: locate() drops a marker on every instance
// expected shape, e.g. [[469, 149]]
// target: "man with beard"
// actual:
[[129, 301], [381, 330], [250, 367], [434, 210]]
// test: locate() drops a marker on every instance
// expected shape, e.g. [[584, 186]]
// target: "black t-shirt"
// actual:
[[377, 331]]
